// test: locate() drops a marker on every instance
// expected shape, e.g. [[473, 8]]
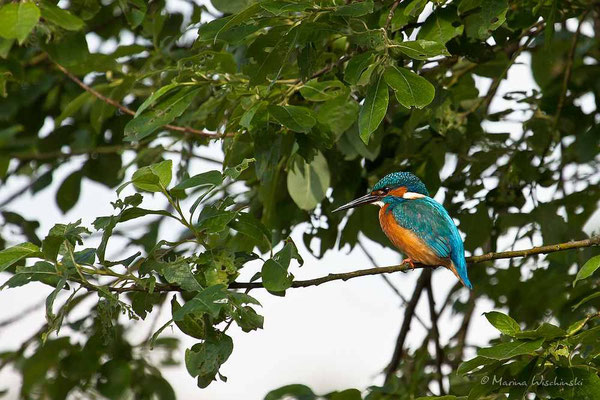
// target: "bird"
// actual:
[[416, 224]]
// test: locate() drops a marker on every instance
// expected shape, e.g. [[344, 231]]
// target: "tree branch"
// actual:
[[390, 284], [126, 110], [391, 14], [568, 70], [344, 276], [461, 334], [405, 327], [435, 336], [111, 149]]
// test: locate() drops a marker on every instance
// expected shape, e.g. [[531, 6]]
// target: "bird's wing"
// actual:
[[431, 223]]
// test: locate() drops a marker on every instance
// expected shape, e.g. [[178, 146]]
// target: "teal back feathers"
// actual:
[[430, 221]]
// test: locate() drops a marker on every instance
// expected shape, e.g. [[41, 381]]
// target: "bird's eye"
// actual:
[[381, 192]]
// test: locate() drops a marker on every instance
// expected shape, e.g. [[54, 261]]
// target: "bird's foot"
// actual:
[[409, 262]]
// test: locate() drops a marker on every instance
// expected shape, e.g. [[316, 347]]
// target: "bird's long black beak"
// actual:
[[366, 199]]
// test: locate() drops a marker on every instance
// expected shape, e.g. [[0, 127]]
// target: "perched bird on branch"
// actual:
[[416, 224]]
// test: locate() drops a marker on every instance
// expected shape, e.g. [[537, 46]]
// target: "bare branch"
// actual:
[[408, 315], [126, 110], [344, 276], [568, 70], [435, 336], [391, 14], [390, 284]]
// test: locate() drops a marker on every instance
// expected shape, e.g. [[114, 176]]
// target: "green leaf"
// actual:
[[153, 178], [503, 323], [214, 220], [421, 49], [208, 301], [307, 183], [295, 118], [17, 20], [355, 9], [136, 212], [576, 383], [274, 61], [51, 298], [314, 90], [586, 299], [298, 392], [491, 15], [145, 124], [209, 178], [115, 377], [275, 276], [72, 52], [60, 17], [545, 330], [180, 273], [68, 192], [357, 65], [197, 326], [588, 269], [373, 109], [204, 359], [247, 319], [248, 116], [13, 254], [338, 115], [470, 365], [280, 7], [240, 17], [235, 172], [447, 397], [5, 46], [135, 11], [411, 89], [231, 6], [348, 394], [154, 97], [508, 350], [73, 106], [441, 26], [247, 225], [41, 271]]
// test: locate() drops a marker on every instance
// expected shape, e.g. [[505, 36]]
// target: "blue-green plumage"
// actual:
[[410, 181], [430, 221], [418, 225]]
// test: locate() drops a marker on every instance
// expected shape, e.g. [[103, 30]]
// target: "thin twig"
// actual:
[[568, 70], [22, 314], [32, 182], [390, 284], [391, 14], [461, 334], [126, 110], [435, 336], [405, 327], [344, 276], [49, 155]]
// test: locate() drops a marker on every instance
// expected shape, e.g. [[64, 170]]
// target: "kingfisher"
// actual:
[[416, 224]]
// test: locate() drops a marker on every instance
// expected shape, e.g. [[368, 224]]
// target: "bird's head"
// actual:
[[390, 188]]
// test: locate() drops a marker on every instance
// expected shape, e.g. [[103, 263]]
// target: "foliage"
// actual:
[[311, 102]]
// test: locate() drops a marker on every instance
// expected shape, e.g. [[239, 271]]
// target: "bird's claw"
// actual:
[[410, 263]]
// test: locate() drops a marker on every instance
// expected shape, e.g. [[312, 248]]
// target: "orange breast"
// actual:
[[407, 242]]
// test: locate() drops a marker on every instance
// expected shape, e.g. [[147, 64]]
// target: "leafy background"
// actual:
[[514, 160]]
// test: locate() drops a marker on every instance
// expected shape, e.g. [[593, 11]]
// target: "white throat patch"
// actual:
[[412, 195]]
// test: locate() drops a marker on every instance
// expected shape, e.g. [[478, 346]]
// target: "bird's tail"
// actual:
[[459, 267]]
